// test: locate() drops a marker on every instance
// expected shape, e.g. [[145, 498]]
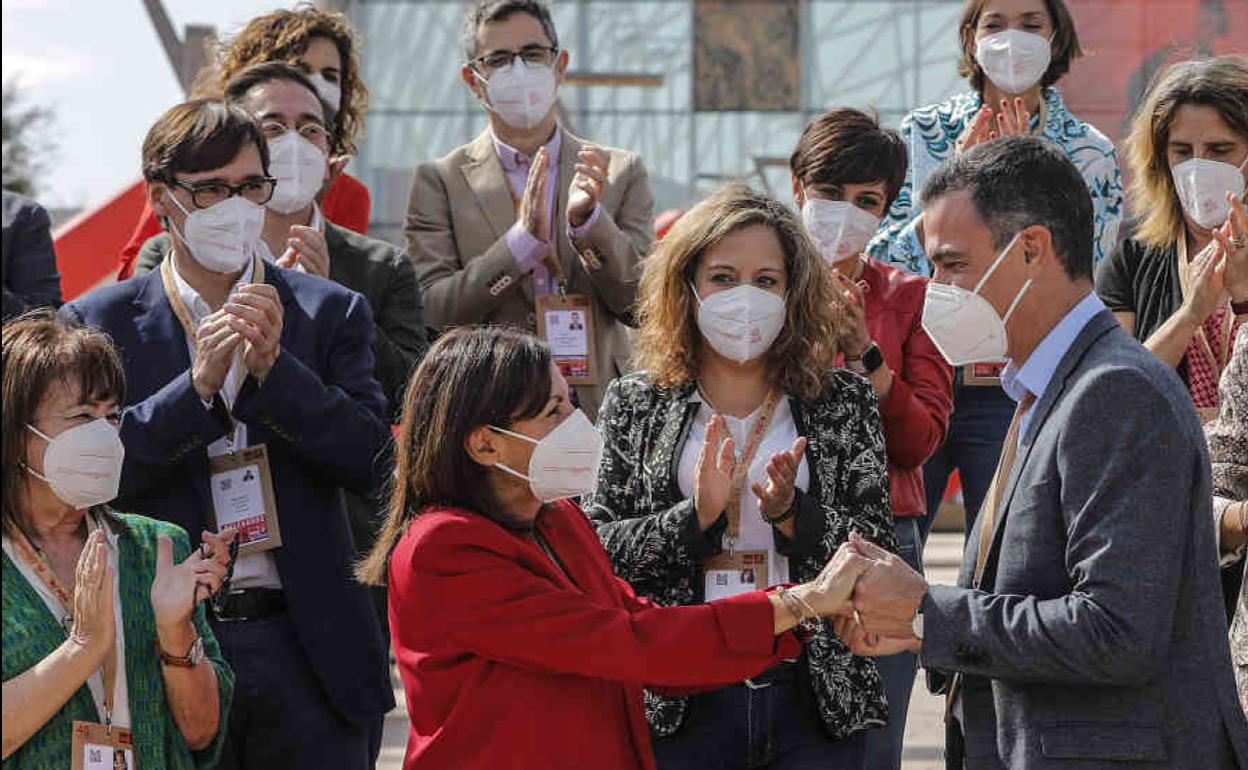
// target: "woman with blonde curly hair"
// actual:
[[740, 457], [324, 46]]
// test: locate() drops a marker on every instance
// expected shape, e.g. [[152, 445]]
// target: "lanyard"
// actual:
[[38, 564], [189, 326], [741, 470]]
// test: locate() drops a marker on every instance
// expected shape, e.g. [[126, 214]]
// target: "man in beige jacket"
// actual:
[[527, 208]]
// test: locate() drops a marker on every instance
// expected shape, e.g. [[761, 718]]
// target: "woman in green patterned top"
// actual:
[[101, 619]]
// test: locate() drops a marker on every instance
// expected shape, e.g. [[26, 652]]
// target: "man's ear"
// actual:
[[474, 84], [561, 67], [157, 193], [1038, 247], [481, 447]]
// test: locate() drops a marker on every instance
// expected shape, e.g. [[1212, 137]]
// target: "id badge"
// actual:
[[243, 500], [983, 374], [566, 324], [739, 572], [96, 747]]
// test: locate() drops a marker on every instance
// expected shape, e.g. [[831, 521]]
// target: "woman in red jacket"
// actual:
[[323, 45], [517, 645], [846, 172]]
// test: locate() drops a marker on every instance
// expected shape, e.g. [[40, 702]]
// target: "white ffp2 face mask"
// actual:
[[964, 326], [740, 323], [1202, 186], [565, 461], [839, 229], [1014, 60], [83, 463], [223, 236], [299, 167], [520, 94], [331, 93]]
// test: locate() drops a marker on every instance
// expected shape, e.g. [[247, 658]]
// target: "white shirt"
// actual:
[[95, 682], [256, 570], [756, 534]]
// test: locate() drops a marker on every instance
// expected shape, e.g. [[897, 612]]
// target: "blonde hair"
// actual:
[[1220, 83], [669, 344]]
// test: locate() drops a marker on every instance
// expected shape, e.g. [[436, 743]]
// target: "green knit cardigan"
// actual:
[[31, 633]]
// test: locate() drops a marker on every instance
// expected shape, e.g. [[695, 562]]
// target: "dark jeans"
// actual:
[[281, 718], [736, 727], [897, 671], [981, 418]]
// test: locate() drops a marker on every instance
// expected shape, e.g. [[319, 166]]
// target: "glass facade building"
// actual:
[[886, 55]]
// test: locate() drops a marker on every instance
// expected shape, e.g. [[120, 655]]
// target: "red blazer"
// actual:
[[916, 411], [508, 664], [347, 203]]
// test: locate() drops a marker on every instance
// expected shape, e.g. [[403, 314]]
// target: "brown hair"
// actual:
[[471, 377], [284, 36], [1065, 43], [669, 343], [1220, 83], [199, 135], [40, 349], [849, 146]]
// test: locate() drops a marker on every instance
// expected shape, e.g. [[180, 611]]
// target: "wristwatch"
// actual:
[[870, 360], [193, 657]]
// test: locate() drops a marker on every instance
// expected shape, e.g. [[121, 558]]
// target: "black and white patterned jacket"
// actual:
[[651, 531]]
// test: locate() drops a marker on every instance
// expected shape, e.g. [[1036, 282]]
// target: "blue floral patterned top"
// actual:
[[930, 133]]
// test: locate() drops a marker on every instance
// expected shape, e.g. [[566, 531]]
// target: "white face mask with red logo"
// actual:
[[1202, 185], [740, 323], [565, 461], [521, 94]]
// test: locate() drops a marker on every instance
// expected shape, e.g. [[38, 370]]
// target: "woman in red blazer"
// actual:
[[323, 45], [846, 172], [517, 645]]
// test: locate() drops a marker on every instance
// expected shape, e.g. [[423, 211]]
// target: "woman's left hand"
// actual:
[[777, 496], [176, 589], [1234, 239]]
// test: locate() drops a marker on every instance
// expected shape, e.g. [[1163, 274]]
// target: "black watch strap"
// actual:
[[872, 358]]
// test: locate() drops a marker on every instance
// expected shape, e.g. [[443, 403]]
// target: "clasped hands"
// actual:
[[872, 597]]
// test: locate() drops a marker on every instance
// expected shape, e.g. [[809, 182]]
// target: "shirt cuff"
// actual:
[[527, 250], [1220, 505], [579, 233]]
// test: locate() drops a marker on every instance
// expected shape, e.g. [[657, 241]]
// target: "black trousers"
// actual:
[[955, 745], [281, 718]]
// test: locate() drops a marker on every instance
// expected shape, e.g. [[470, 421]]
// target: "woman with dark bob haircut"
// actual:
[[102, 616], [516, 644]]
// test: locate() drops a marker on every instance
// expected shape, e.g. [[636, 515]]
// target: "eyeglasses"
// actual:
[[532, 55], [258, 190], [313, 132]]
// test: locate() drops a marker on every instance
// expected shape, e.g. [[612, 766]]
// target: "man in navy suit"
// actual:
[[225, 352]]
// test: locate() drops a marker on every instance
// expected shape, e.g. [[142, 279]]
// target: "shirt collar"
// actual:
[[514, 160], [1037, 371], [195, 304]]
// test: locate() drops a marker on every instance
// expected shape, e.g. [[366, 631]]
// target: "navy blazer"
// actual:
[[321, 414]]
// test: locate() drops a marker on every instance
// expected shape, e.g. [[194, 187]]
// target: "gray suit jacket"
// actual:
[[458, 214], [1099, 636]]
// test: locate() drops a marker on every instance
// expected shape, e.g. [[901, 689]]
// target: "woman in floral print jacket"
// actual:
[[736, 310]]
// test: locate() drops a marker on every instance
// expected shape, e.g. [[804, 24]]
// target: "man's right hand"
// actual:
[[533, 212], [215, 343]]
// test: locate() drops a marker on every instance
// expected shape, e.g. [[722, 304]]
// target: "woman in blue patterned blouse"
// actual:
[[1004, 61], [102, 622]]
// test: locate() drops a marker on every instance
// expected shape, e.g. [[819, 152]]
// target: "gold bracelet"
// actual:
[[1243, 516]]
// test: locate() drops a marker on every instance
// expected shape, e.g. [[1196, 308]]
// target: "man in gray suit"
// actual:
[[1087, 628], [526, 206]]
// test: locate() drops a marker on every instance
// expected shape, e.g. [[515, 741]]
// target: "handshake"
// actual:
[[871, 596]]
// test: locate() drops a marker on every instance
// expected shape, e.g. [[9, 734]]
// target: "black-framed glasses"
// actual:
[[532, 55], [258, 190]]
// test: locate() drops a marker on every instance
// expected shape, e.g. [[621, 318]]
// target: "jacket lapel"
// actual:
[[485, 177], [1100, 325]]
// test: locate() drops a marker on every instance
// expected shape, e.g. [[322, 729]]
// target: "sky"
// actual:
[[99, 66]]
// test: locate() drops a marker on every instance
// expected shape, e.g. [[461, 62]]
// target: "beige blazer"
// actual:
[[458, 214]]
